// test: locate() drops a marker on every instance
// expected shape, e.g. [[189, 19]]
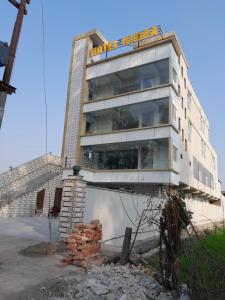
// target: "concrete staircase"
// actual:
[[28, 177]]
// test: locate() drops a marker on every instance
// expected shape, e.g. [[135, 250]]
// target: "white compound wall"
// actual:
[[115, 210]]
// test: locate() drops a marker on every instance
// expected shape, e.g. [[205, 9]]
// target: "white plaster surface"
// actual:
[[112, 208]]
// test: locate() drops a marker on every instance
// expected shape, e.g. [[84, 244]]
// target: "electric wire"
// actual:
[[126, 211], [44, 77], [46, 108]]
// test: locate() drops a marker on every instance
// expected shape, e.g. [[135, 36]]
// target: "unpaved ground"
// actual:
[[36, 228], [17, 271], [109, 282], [27, 273]]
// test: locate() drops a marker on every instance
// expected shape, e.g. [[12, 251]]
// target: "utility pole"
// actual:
[[5, 87]]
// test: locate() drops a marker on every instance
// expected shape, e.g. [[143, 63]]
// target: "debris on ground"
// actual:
[[44, 249], [109, 282]]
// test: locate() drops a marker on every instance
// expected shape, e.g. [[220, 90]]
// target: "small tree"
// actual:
[[174, 218]]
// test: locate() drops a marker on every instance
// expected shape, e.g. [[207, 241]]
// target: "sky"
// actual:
[[200, 27]]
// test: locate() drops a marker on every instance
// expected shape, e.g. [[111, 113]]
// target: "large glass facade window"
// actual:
[[129, 80], [144, 114], [150, 154]]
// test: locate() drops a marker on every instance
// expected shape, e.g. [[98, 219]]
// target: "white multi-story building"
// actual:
[[134, 120]]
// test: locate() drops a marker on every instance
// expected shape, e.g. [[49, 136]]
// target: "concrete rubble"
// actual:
[[112, 282]]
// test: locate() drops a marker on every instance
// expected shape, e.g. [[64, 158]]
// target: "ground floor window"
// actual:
[[148, 154]]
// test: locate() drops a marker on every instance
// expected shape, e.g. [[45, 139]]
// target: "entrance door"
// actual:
[[58, 198], [40, 202]]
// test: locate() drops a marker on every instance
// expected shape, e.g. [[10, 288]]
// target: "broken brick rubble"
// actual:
[[84, 243]]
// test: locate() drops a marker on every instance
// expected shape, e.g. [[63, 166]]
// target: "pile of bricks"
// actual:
[[84, 243]]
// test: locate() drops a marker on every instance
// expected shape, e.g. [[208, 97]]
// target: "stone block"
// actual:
[[64, 224], [75, 178], [79, 214], [63, 235], [79, 189], [68, 189], [65, 214], [67, 204], [66, 199], [77, 220], [69, 184], [80, 197], [64, 209], [79, 204], [67, 194], [78, 209], [63, 229]]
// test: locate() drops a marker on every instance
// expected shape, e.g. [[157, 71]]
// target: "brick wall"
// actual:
[[25, 204]]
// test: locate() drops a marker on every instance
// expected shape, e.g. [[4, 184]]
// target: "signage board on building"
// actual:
[[127, 40]]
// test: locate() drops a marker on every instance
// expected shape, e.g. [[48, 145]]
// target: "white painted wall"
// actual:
[[107, 206], [203, 212]]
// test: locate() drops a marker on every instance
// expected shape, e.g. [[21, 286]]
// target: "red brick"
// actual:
[[72, 247], [95, 222], [79, 225], [74, 241]]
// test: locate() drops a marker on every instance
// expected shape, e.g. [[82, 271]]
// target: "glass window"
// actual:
[[154, 154], [213, 162], [144, 114], [150, 154], [174, 154], [203, 124], [129, 80], [202, 174], [189, 100], [174, 76], [174, 115], [189, 131], [203, 147], [195, 168], [179, 124], [182, 134]]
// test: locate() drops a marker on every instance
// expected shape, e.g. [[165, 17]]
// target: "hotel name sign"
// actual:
[[127, 40]]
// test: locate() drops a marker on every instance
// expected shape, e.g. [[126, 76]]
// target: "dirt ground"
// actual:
[[24, 264], [26, 271], [21, 273]]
